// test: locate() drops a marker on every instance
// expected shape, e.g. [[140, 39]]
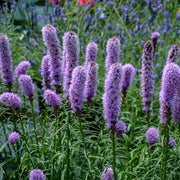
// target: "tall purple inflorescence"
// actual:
[[6, 62], [45, 72], [111, 97], [91, 82], [152, 135], [26, 85], [36, 174], [154, 37], [14, 138], [11, 100], [120, 128], [22, 68], [173, 54], [128, 77], [70, 44], [91, 53], [51, 98], [169, 85], [113, 52], [76, 91], [51, 41], [147, 76]]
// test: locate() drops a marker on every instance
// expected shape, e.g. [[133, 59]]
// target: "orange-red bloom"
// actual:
[[81, 2]]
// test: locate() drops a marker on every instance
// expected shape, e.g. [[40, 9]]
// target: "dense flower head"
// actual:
[[147, 75], [155, 35], [86, 2], [26, 85], [6, 61], [51, 98], [13, 138], [152, 136], [22, 68], [91, 53], [113, 52], [120, 128], [36, 174], [51, 41], [173, 54], [128, 76], [76, 91], [111, 97], [91, 82], [169, 85], [107, 174], [172, 143], [11, 100], [71, 53], [45, 71]]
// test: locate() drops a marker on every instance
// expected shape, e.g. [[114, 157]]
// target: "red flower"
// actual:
[[81, 2]]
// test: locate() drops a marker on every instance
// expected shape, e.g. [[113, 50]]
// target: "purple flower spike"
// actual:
[[26, 85], [113, 52], [91, 82], [169, 85], [107, 174], [51, 98], [111, 97], [13, 138], [11, 100], [120, 128], [147, 75], [128, 77], [152, 136], [45, 72], [173, 54], [172, 143], [22, 68], [36, 174], [6, 61], [71, 53], [154, 37], [76, 91], [51, 41], [91, 53]]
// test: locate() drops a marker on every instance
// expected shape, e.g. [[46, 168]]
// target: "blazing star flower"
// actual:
[[76, 91], [13, 138], [154, 37], [173, 54], [111, 97], [82, 2], [51, 98], [6, 61], [169, 85], [36, 174], [120, 128], [11, 100], [152, 135], [91, 82], [26, 85], [172, 143], [22, 68], [107, 174], [113, 52]]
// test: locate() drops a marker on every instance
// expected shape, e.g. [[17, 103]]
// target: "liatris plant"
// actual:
[[172, 143], [113, 52], [152, 135], [36, 174], [169, 86], [14, 138], [91, 82], [128, 77], [91, 53], [173, 54], [107, 174], [70, 45], [111, 103], [22, 68], [45, 72], [51, 41], [27, 86], [147, 78], [120, 128], [6, 62], [154, 37]]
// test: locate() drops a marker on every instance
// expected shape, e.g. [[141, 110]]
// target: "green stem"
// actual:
[[87, 108], [114, 153], [83, 142]]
